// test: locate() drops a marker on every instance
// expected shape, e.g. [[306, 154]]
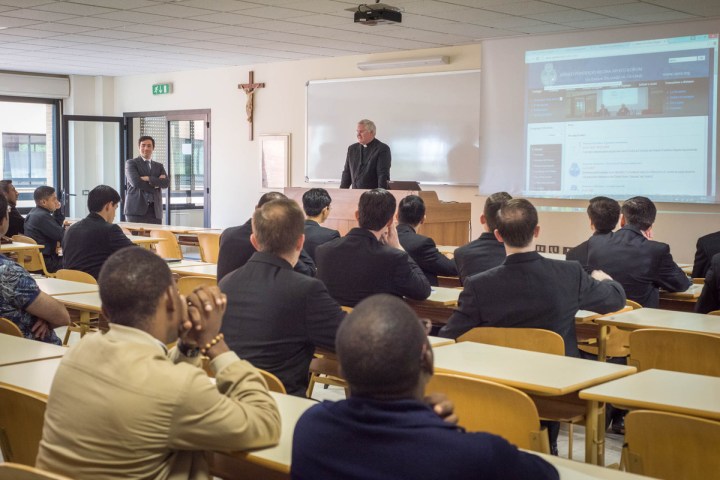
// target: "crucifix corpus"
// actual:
[[249, 89]]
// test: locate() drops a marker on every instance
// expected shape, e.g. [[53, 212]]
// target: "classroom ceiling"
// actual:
[[126, 37]]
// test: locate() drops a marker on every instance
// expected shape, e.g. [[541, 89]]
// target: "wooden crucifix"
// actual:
[[249, 89]]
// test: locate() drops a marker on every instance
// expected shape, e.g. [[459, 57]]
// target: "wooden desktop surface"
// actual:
[[693, 292], [84, 302], [18, 247], [17, 350], [686, 393], [207, 270], [56, 286], [666, 319], [186, 263]]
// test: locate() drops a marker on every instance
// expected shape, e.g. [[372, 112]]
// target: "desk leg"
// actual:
[[595, 433], [84, 323], [602, 342]]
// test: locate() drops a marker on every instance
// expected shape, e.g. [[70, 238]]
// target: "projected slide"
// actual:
[[624, 119]]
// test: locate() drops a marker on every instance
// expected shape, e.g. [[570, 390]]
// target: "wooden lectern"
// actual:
[[448, 223]]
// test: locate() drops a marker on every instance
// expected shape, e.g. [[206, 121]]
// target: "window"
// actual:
[[25, 159]]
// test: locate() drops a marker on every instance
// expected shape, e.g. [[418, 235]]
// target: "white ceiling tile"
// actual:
[[49, 42], [186, 24], [321, 20], [582, 4], [667, 16], [6, 21], [25, 3], [219, 5], [278, 25], [545, 28], [111, 34], [119, 4], [228, 18], [274, 13], [62, 28], [174, 10], [150, 29], [598, 23], [525, 8], [134, 16], [32, 14], [565, 16], [95, 22], [30, 32], [629, 10], [74, 9], [321, 7]]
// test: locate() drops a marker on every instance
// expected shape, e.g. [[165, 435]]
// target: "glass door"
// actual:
[[92, 150]]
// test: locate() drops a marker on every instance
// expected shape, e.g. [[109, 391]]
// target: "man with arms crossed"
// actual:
[[386, 429], [370, 259], [145, 178], [121, 405], [367, 164], [486, 251], [89, 242], [21, 301], [275, 316]]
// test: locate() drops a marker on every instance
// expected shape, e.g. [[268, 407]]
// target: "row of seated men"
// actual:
[[149, 413]]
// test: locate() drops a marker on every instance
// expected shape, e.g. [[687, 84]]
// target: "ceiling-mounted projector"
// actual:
[[377, 13]]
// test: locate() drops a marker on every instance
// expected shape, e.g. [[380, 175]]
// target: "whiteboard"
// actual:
[[430, 121]]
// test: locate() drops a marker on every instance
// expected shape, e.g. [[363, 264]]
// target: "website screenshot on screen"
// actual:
[[637, 118]]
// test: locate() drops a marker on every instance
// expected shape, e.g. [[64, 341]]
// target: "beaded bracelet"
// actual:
[[212, 343]]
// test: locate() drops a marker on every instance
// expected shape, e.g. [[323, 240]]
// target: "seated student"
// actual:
[[316, 204], [370, 259], [485, 252], [528, 290], [44, 224], [710, 297], [604, 214], [17, 221], [21, 301], [89, 242], [632, 258], [422, 249], [121, 405], [706, 248], [276, 316], [386, 429], [236, 249]]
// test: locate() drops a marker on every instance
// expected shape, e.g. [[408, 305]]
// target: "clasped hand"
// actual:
[[202, 315]]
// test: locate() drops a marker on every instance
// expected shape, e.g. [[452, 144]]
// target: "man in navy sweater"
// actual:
[[386, 430]]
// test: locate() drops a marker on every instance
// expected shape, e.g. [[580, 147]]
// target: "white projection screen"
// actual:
[[619, 113], [430, 121]]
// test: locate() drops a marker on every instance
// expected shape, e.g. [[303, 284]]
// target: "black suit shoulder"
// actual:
[[235, 249], [707, 247]]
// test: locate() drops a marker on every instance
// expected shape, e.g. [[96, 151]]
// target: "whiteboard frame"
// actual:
[[382, 77]]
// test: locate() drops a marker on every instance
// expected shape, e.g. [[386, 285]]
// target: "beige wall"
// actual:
[[280, 108]]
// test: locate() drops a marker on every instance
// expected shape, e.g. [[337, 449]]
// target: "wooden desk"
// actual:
[[447, 250], [84, 304], [146, 227], [144, 241], [539, 374], [208, 270], [15, 247], [572, 470], [56, 286], [35, 377], [686, 268], [186, 263], [668, 320], [439, 341], [676, 392], [438, 306], [14, 350], [681, 301]]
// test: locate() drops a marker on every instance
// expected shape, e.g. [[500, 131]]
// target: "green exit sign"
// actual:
[[162, 88]]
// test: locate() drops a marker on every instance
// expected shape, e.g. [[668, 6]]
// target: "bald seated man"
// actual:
[[387, 361]]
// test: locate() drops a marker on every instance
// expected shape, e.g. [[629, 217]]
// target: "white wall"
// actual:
[[280, 108]]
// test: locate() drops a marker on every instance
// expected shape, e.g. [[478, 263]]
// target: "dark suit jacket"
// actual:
[[276, 317], [423, 250], [707, 247], [17, 222], [315, 235], [89, 242], [236, 250], [357, 265], [46, 228], [529, 291], [710, 297], [640, 265], [580, 252], [479, 255], [367, 167], [139, 192]]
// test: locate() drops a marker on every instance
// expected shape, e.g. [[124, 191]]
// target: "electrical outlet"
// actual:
[[566, 250], [554, 249], [86, 192], [540, 248]]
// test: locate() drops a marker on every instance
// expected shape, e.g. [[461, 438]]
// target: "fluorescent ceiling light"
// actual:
[[407, 63]]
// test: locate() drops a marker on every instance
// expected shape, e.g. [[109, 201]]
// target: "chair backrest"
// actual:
[[33, 260], [75, 276], [21, 424], [346, 309], [274, 384], [9, 328], [186, 285], [16, 471], [633, 304], [534, 339], [670, 445], [169, 247], [677, 351], [698, 281], [490, 407], [714, 312], [209, 246]]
